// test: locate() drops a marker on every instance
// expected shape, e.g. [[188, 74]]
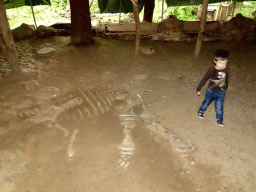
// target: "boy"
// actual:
[[218, 84]]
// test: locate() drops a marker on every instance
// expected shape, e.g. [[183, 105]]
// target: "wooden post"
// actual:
[[201, 30], [136, 13], [7, 39], [234, 7], [120, 6], [33, 13], [162, 10]]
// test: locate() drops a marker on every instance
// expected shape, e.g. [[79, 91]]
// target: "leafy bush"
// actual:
[[246, 8], [182, 13]]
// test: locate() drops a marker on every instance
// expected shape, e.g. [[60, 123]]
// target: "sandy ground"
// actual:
[[100, 118]]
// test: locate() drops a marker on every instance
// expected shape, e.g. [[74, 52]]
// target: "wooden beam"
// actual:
[[201, 30], [136, 13], [8, 42]]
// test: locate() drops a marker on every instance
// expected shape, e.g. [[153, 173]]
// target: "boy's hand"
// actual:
[[198, 93]]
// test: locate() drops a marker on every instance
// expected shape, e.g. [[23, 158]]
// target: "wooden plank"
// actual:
[[194, 26], [130, 33], [144, 26]]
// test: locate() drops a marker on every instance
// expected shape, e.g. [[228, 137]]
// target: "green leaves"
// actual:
[[183, 13], [246, 9]]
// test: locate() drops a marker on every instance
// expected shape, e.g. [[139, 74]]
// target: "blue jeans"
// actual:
[[218, 97]]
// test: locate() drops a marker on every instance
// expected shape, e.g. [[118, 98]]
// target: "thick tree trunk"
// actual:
[[149, 10], [81, 29], [6, 36]]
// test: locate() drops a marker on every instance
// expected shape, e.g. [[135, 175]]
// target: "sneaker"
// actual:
[[220, 123], [200, 115]]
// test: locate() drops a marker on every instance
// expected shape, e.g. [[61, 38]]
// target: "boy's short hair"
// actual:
[[221, 54]]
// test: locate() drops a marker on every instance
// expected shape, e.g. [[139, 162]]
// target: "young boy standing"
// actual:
[[218, 84]]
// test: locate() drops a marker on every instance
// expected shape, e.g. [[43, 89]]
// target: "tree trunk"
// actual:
[[136, 13], [81, 29], [6, 36], [201, 30], [149, 10]]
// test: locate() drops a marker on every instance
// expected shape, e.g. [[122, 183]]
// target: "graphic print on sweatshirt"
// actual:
[[221, 80]]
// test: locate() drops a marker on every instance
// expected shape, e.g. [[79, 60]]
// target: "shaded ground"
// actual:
[[123, 143]]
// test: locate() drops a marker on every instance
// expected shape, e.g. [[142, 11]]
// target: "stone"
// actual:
[[24, 31], [45, 50], [239, 28], [44, 31]]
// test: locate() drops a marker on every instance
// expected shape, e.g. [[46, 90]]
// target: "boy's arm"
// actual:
[[204, 80]]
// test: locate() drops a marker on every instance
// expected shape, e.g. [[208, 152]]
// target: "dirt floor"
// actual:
[[101, 118]]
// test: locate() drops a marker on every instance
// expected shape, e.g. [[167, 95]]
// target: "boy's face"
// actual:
[[220, 64]]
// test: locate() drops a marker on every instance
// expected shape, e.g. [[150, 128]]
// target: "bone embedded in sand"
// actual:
[[50, 113], [102, 98], [126, 165], [127, 147], [88, 112], [105, 96], [80, 114], [65, 131], [97, 101], [110, 94], [70, 146], [95, 111], [71, 103]]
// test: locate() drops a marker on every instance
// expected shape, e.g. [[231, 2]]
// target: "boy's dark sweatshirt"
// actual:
[[216, 81]]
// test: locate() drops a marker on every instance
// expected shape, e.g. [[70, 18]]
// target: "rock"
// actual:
[[44, 31], [239, 28], [45, 50], [61, 26], [170, 29], [172, 23], [24, 31]]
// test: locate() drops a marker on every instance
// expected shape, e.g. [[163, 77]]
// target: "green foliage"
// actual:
[[183, 13], [46, 15], [246, 8]]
